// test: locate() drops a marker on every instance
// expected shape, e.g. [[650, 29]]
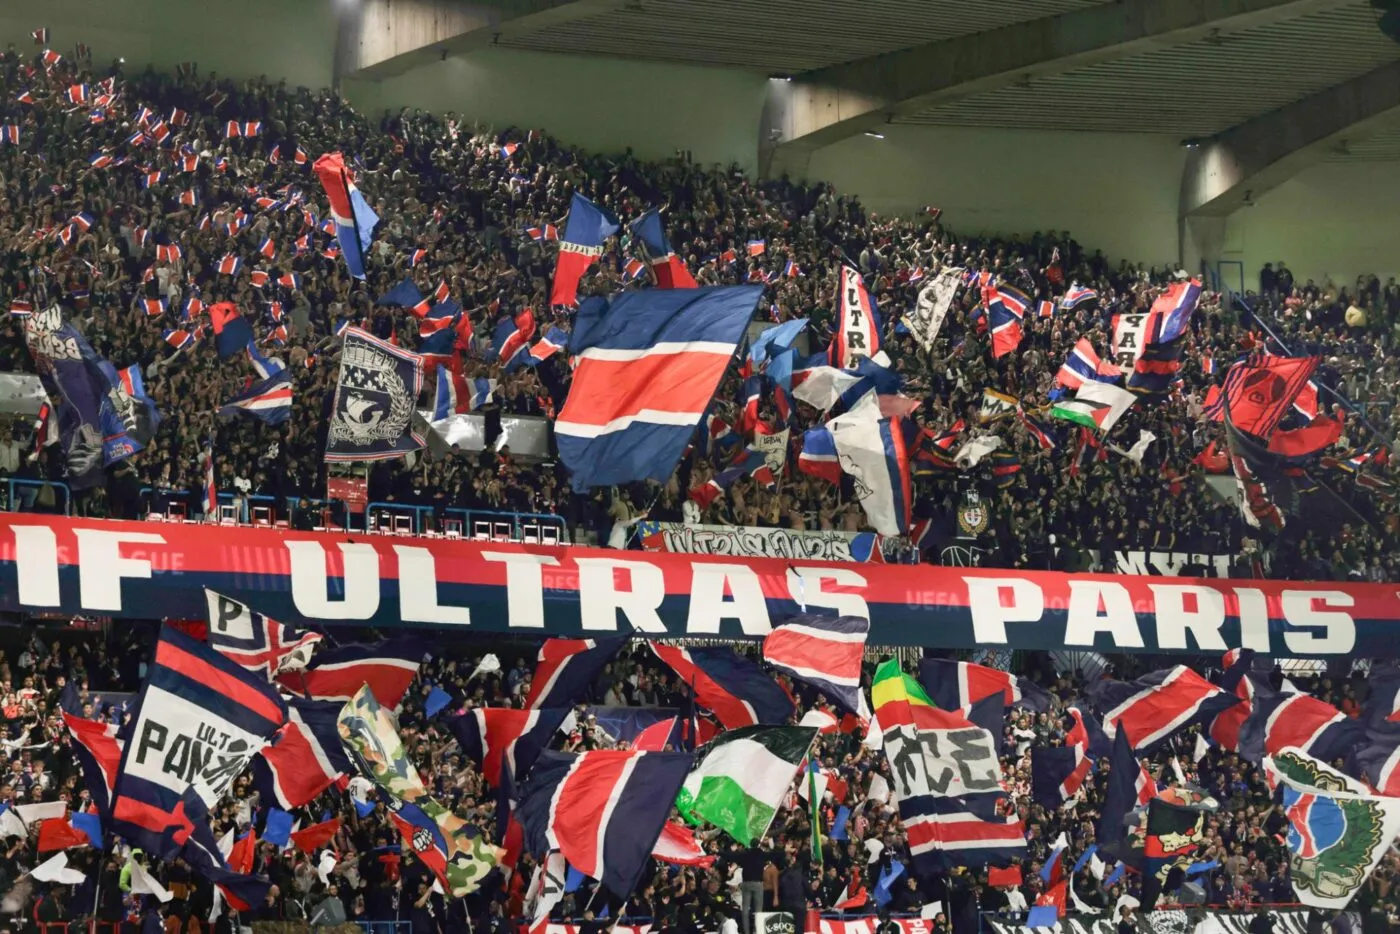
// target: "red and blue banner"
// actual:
[[57, 564]]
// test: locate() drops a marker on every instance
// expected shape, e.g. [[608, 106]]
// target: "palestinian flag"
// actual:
[[743, 779], [1095, 405]]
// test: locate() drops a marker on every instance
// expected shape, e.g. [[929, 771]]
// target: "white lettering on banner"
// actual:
[[418, 597], [1086, 598], [612, 594], [752, 542], [599, 599], [990, 613], [1128, 336], [524, 586], [1202, 614], [99, 551], [311, 581], [1169, 563], [856, 327], [710, 583], [1162, 921], [774, 447]]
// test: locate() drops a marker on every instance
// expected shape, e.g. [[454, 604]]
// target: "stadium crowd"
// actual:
[[455, 208], [375, 879]]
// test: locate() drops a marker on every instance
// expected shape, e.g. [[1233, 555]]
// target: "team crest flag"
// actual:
[[603, 810], [372, 414], [648, 364], [742, 780], [584, 232], [452, 847], [823, 651], [129, 417], [254, 641], [201, 720], [1335, 837]]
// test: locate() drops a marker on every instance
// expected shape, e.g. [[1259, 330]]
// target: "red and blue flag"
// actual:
[[584, 232], [354, 219]]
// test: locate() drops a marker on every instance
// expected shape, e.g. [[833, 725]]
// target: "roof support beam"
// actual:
[[384, 38], [1234, 167], [820, 107]]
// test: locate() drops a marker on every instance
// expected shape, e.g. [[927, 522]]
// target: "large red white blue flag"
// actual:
[[388, 667], [566, 668], [1158, 704], [202, 719], [496, 737], [603, 810], [307, 759], [254, 641], [648, 365], [824, 651], [734, 688]]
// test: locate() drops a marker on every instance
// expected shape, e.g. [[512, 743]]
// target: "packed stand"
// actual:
[[189, 187], [371, 877]]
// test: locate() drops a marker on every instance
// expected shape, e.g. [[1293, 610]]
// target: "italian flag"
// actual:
[[743, 779], [1095, 405]]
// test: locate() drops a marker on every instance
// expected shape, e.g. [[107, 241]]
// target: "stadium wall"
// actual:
[[601, 104], [283, 39], [1112, 191], [1333, 220]]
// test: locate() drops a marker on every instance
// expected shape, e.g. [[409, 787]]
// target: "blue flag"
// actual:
[[71, 370], [404, 295], [437, 699], [89, 824], [775, 340], [1043, 916], [884, 888], [278, 828], [372, 415], [838, 826], [573, 880]]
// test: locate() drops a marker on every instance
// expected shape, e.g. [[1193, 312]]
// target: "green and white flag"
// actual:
[[743, 779], [1095, 405]]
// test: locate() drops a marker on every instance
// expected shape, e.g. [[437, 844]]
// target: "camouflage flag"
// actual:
[[459, 855]]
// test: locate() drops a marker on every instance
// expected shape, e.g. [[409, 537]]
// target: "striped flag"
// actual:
[[823, 651]]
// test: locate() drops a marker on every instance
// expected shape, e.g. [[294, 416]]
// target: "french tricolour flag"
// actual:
[[584, 232], [648, 365], [354, 219]]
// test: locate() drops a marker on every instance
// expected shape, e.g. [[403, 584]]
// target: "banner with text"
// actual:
[[747, 541], [138, 569]]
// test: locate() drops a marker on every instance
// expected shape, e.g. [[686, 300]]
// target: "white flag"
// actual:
[[879, 789], [143, 884], [1202, 747], [926, 318], [32, 814], [1139, 448], [11, 825], [489, 664], [864, 442], [56, 870]]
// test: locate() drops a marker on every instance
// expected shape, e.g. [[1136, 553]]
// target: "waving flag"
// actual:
[[1125, 791], [307, 759], [734, 688], [1301, 721], [1172, 311], [254, 641], [1225, 728], [956, 685], [354, 219], [512, 339], [1076, 296], [388, 667], [554, 340], [668, 268], [1057, 774], [232, 332], [201, 719], [1095, 405], [1006, 309], [456, 852], [495, 737], [458, 395], [99, 753], [566, 668], [677, 845], [128, 416], [1158, 704], [269, 401], [1084, 364], [648, 366], [858, 322], [743, 779], [824, 651], [373, 411], [873, 452], [1378, 761], [584, 232], [603, 810]]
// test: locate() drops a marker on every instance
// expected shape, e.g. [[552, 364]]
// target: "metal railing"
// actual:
[[14, 502], [530, 528], [252, 502]]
